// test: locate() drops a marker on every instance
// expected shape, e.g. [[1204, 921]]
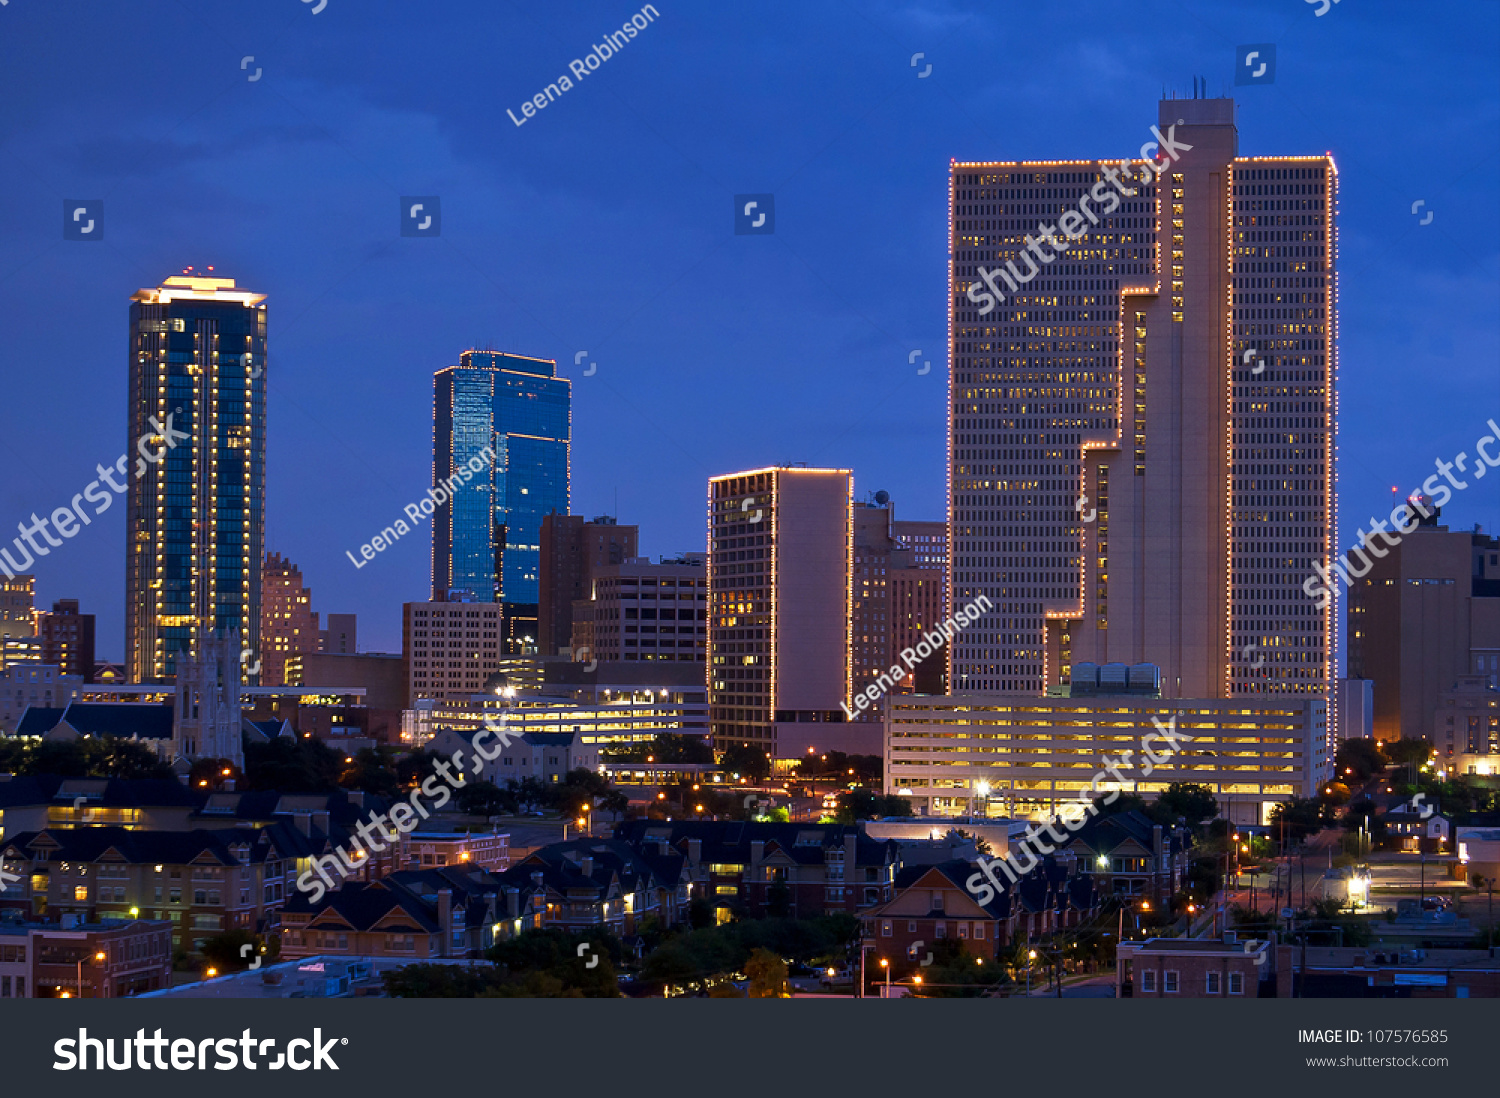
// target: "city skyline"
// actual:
[[335, 261]]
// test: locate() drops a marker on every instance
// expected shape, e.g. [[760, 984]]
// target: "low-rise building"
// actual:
[[42, 687], [436, 850], [932, 904], [71, 959], [591, 884], [1203, 968], [762, 869], [427, 914]]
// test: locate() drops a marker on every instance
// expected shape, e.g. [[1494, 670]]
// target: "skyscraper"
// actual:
[[781, 542], [196, 433], [486, 537], [1142, 423]]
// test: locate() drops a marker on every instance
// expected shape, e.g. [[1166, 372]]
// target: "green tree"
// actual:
[[1358, 761], [371, 770], [1296, 819], [768, 979], [861, 804], [1408, 753], [1189, 801], [744, 759], [292, 766], [484, 799], [236, 950]]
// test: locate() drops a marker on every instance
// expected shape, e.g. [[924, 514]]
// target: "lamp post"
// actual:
[[1030, 958], [97, 957], [885, 964]]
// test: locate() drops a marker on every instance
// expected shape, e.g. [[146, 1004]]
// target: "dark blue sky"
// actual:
[[604, 224]]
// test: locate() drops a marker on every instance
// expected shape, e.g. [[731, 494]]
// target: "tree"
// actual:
[[85, 757], [292, 766], [1191, 802], [371, 770], [1410, 753], [484, 799], [530, 793], [767, 974], [1296, 819], [235, 950], [861, 804], [744, 759], [1358, 761]]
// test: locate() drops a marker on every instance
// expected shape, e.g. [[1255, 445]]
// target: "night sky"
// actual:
[[604, 224]]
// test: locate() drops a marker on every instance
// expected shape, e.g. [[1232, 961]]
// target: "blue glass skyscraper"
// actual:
[[486, 539]]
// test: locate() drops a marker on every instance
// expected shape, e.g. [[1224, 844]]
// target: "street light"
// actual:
[[887, 966], [1030, 958], [97, 957]]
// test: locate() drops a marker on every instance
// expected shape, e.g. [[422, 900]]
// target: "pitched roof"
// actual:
[[44, 789], [366, 906], [114, 844], [38, 719], [122, 719], [729, 841]]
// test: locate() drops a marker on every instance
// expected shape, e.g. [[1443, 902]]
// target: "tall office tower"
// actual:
[[68, 639], [288, 624], [501, 431], [196, 443], [1142, 413], [643, 611], [781, 544], [341, 637], [17, 609], [572, 552], [1422, 615]]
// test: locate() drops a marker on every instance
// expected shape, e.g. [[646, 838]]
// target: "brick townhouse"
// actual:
[[760, 869], [932, 903]]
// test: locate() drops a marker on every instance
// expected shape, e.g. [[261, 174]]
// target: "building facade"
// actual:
[[1141, 455], [451, 648], [637, 610], [17, 609], [781, 546], [341, 637], [195, 508], [108, 959], [1023, 756], [899, 594], [486, 536], [572, 551], [43, 685], [68, 639], [288, 624], [1423, 614]]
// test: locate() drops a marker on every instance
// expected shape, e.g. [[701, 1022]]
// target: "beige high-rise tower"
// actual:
[[1142, 412], [780, 543]]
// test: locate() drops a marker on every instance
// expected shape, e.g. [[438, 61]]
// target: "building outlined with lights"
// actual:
[[195, 516]]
